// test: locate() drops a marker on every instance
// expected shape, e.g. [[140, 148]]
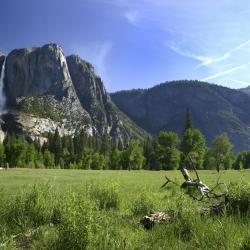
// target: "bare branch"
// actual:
[[168, 181]]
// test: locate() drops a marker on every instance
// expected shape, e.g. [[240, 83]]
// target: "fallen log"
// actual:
[[150, 220], [215, 209]]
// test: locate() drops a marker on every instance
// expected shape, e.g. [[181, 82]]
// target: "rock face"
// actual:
[[215, 109], [91, 92], [2, 57], [38, 71], [45, 90]]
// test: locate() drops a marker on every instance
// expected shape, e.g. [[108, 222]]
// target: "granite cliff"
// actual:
[[46, 91]]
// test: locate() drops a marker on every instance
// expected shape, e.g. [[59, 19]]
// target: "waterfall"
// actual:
[[2, 95]]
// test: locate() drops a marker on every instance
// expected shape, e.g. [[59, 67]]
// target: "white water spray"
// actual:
[[2, 96]]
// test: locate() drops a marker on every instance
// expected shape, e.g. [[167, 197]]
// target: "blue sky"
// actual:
[[140, 43]]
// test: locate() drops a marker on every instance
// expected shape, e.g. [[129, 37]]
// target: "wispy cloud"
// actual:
[[132, 16], [225, 72], [242, 83], [225, 56], [207, 60], [97, 54], [217, 45], [100, 54], [186, 53]]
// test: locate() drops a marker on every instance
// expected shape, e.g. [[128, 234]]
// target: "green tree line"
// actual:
[[167, 151]]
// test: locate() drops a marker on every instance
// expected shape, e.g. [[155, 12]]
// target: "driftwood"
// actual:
[[203, 189], [153, 218], [150, 220], [215, 209]]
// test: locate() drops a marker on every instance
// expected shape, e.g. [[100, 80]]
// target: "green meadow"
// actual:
[[87, 209]]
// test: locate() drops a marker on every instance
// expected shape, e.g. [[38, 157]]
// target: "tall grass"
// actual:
[[100, 216]]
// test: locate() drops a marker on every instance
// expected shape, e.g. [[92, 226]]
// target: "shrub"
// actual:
[[143, 205], [75, 230], [239, 198], [246, 244], [183, 227], [107, 196], [30, 208]]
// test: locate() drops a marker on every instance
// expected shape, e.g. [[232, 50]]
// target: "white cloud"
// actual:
[[97, 54], [213, 33], [132, 16], [225, 56], [242, 83], [189, 54], [225, 72]]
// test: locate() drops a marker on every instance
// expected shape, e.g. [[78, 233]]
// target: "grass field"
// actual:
[[101, 210], [14, 179]]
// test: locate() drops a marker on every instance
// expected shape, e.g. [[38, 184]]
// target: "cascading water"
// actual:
[[2, 95]]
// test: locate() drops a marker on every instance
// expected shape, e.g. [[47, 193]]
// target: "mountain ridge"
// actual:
[[216, 109]]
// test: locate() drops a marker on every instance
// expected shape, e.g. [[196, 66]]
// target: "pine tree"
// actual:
[[192, 144], [2, 155], [189, 120], [57, 147], [105, 146]]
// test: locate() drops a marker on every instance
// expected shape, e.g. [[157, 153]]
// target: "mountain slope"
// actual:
[[215, 109], [245, 90], [46, 90]]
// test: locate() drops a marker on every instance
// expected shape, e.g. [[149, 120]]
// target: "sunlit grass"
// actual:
[[77, 209]]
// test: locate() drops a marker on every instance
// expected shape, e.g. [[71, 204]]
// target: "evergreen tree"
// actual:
[[115, 159], [105, 146], [189, 121], [57, 148], [193, 148], [192, 145], [49, 159], [242, 161], [148, 153], [31, 155], [2, 155]]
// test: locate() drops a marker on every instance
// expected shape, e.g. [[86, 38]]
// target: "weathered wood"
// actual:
[[215, 209], [150, 220], [168, 181], [185, 174]]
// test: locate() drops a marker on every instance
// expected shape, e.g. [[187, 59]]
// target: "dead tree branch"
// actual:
[[167, 182], [150, 220]]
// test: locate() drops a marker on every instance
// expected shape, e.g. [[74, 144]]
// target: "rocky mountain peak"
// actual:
[[37, 71], [46, 90], [88, 85]]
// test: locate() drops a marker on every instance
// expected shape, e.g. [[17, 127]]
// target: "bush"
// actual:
[[143, 205], [107, 196], [246, 244], [75, 230], [32, 208], [239, 198]]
